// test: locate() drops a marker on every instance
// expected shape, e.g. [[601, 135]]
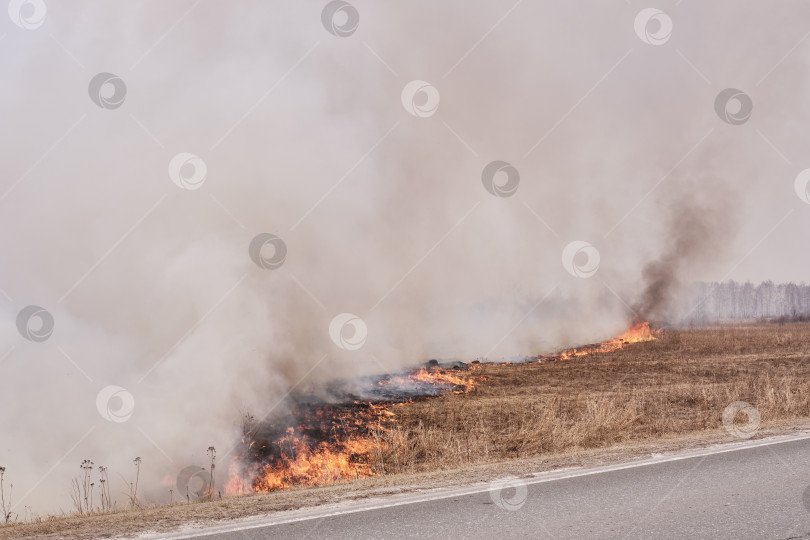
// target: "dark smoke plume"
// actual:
[[698, 230]]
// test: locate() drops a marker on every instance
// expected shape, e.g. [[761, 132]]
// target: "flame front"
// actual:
[[324, 464], [332, 443], [439, 379], [638, 332]]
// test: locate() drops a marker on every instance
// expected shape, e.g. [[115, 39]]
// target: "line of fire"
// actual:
[[317, 442]]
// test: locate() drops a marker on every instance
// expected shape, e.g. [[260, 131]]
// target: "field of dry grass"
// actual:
[[649, 396], [678, 384]]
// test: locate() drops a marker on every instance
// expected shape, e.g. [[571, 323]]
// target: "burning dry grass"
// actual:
[[668, 383], [677, 384], [317, 442], [534, 416], [320, 442]]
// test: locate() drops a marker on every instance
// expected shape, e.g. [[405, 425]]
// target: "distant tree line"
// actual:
[[732, 300]]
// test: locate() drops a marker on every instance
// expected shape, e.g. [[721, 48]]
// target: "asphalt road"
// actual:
[[752, 490]]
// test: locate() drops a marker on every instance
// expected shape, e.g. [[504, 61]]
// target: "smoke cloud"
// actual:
[[699, 227], [167, 324]]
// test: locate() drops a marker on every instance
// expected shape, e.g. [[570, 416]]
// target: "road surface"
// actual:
[[754, 489]]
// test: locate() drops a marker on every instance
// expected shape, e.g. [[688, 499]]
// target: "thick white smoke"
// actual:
[[378, 198]]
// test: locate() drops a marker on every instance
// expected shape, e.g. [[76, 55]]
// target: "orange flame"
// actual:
[[323, 464], [302, 461], [638, 332], [237, 484], [298, 459], [462, 382]]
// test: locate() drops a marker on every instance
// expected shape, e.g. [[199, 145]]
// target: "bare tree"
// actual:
[[732, 300]]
